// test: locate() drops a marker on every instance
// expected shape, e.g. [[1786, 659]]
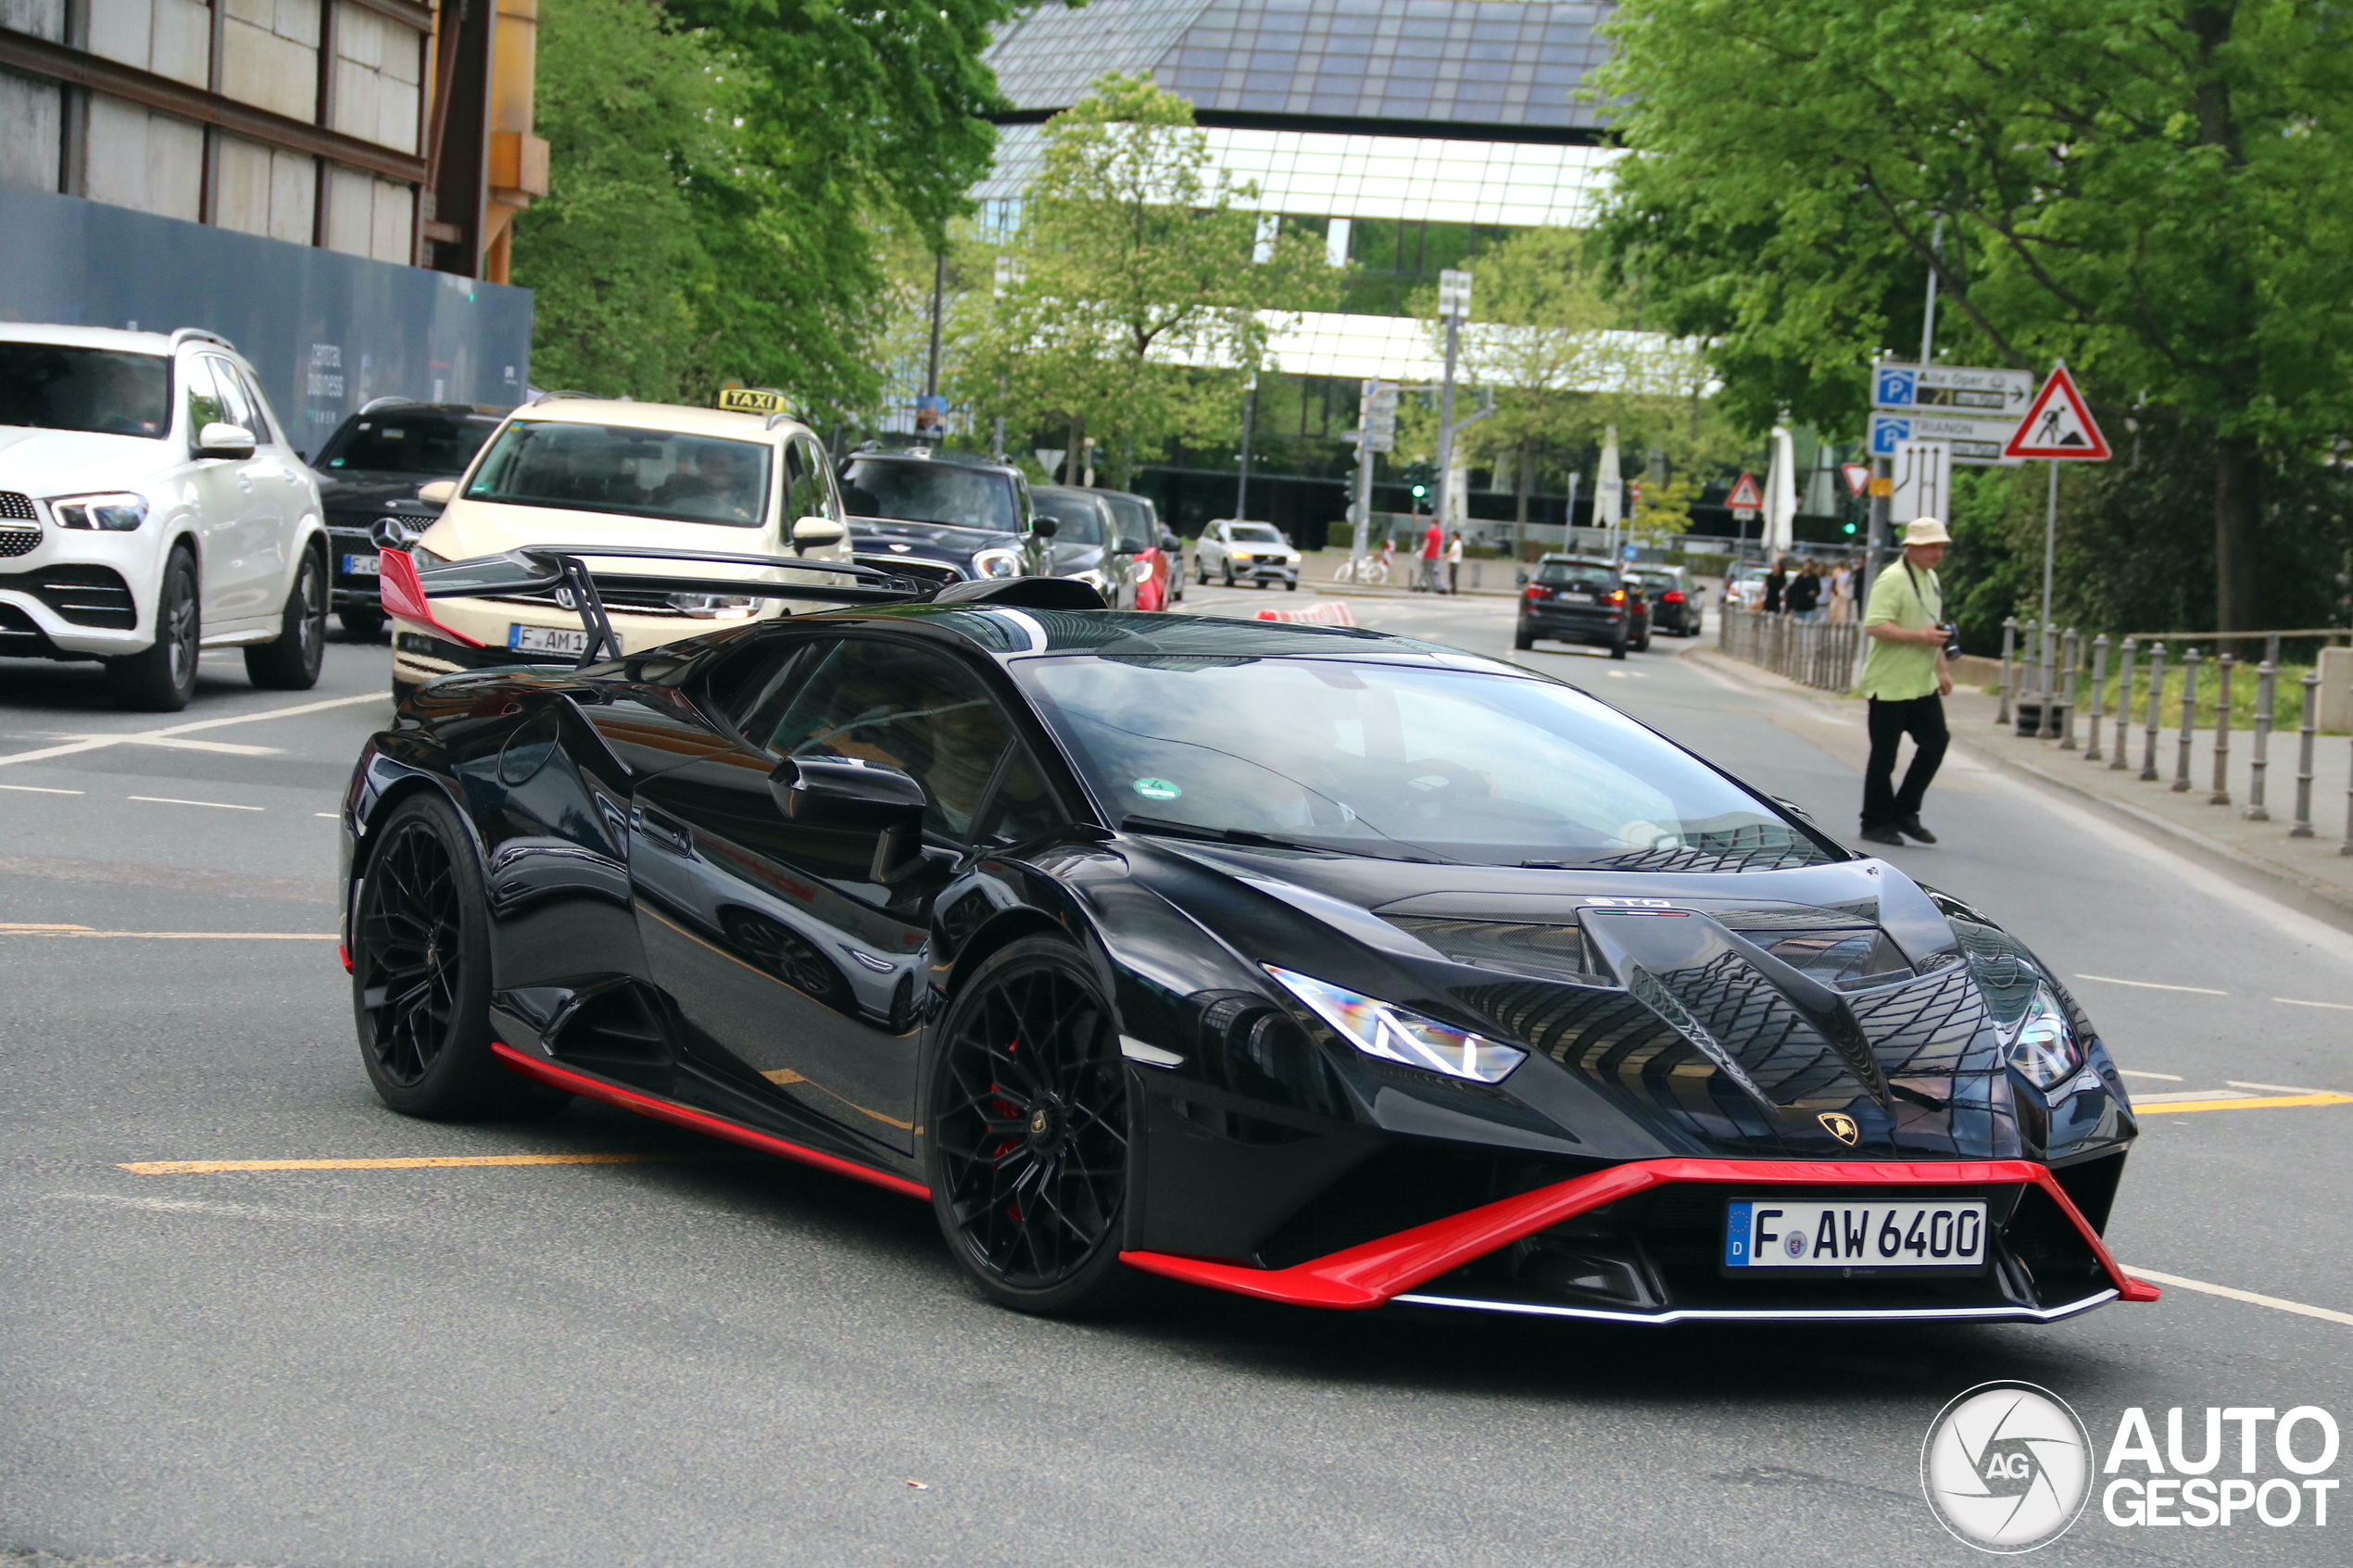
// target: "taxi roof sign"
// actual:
[[751, 400]]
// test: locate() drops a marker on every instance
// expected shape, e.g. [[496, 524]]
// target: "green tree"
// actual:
[[2155, 190], [1139, 301]]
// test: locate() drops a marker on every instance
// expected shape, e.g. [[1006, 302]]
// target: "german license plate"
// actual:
[[362, 565], [547, 639], [1777, 1234]]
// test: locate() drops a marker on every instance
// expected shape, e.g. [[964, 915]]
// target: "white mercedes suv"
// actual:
[[150, 507]]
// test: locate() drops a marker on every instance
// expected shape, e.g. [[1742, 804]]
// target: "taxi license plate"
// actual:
[[1778, 1234], [547, 639], [362, 565]]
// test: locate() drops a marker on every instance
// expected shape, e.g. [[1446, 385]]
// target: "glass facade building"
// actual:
[[1412, 133]]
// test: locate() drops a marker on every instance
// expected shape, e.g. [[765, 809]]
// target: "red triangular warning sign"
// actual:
[[1746, 494], [1858, 477], [2058, 425]]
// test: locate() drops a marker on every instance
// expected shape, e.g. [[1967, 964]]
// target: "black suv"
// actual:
[[369, 472], [949, 519], [1582, 599]]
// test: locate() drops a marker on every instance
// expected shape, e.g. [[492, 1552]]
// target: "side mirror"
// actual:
[[1128, 547], [1520, 578], [1044, 527], [217, 440], [848, 794], [440, 493], [817, 532]]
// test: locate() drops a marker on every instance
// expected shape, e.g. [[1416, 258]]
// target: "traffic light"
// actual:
[[1421, 492], [1850, 528]]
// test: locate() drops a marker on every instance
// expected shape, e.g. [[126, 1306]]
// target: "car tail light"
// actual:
[[1533, 594], [1618, 596], [1672, 597]]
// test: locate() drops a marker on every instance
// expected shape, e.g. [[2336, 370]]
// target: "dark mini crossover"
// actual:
[[1309, 963]]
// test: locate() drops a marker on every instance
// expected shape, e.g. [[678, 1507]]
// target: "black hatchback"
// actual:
[[1581, 599]]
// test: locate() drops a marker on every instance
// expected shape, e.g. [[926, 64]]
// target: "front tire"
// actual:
[[421, 974], [1229, 574], [1027, 1133], [1617, 650], [291, 663], [162, 677]]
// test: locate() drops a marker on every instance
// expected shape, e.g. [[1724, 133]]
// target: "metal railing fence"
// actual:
[[1812, 653]]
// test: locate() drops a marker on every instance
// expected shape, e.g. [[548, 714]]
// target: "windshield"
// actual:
[[428, 443], [1138, 528], [1571, 575], [1077, 521], [922, 491], [653, 473], [46, 386], [1400, 763], [1253, 533]]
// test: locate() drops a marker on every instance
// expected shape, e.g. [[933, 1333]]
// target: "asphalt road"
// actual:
[[696, 1358]]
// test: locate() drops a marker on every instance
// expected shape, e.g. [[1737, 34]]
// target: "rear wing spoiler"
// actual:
[[407, 589]]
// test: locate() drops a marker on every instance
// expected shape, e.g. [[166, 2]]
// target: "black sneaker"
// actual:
[[1882, 835], [1910, 828]]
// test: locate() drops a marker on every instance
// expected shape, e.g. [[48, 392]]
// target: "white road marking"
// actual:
[[2153, 985], [2273, 1089], [176, 743], [98, 742], [2168, 1077], [1615, 674], [2324, 1313], [2299, 1002], [331, 816], [36, 789], [168, 800]]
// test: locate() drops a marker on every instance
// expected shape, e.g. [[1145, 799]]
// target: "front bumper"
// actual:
[[1636, 1243], [353, 590], [80, 595], [1265, 570]]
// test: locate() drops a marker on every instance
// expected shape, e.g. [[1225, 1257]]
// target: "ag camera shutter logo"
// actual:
[[2006, 1467]]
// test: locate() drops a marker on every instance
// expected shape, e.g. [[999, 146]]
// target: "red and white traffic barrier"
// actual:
[[1332, 612]]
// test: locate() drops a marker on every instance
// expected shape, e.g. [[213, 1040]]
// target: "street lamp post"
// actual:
[[1250, 412], [1454, 308]]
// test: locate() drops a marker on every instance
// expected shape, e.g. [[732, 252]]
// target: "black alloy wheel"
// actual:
[[162, 677], [1028, 1141], [291, 662], [421, 974]]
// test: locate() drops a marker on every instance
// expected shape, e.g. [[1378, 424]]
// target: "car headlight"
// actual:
[[424, 557], [1143, 570], [1380, 1029], [998, 563], [120, 513], [2045, 1048]]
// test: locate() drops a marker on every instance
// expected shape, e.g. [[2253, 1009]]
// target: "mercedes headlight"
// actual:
[[2045, 1048], [998, 563], [1381, 1029], [120, 513], [424, 557]]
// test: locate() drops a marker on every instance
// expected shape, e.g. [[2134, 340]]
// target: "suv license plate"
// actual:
[[1776, 1233], [547, 639], [362, 565]]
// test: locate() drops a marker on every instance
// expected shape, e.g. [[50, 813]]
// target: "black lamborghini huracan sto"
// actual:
[[1306, 962]]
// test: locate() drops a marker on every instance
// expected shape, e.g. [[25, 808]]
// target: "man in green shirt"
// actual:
[[1905, 677]]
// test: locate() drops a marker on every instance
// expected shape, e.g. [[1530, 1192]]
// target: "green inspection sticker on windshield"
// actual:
[[1157, 789]]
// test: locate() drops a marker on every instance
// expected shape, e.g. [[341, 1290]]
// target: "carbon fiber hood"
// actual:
[[1761, 1013]]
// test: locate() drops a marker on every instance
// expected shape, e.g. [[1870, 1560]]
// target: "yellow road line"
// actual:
[[407, 1163], [2282, 1102], [83, 931]]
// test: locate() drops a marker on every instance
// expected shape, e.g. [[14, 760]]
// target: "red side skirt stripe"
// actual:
[[556, 1077], [1369, 1274]]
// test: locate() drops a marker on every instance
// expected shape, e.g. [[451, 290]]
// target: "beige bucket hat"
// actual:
[[1926, 530]]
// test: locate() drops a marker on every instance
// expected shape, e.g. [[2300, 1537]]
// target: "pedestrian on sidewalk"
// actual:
[[1904, 677], [1433, 546], [1455, 562], [1843, 593], [1775, 582], [1803, 594]]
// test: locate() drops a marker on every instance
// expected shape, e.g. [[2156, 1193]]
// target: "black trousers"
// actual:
[[1923, 719]]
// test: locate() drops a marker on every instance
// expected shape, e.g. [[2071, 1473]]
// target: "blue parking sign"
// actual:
[[1886, 431], [1896, 386]]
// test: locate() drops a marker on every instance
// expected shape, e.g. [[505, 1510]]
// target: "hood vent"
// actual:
[[1537, 952]]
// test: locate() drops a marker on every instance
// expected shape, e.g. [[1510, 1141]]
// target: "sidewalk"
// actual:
[[2306, 873]]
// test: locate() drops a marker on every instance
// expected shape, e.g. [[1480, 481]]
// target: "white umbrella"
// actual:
[[1780, 494], [1609, 491]]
